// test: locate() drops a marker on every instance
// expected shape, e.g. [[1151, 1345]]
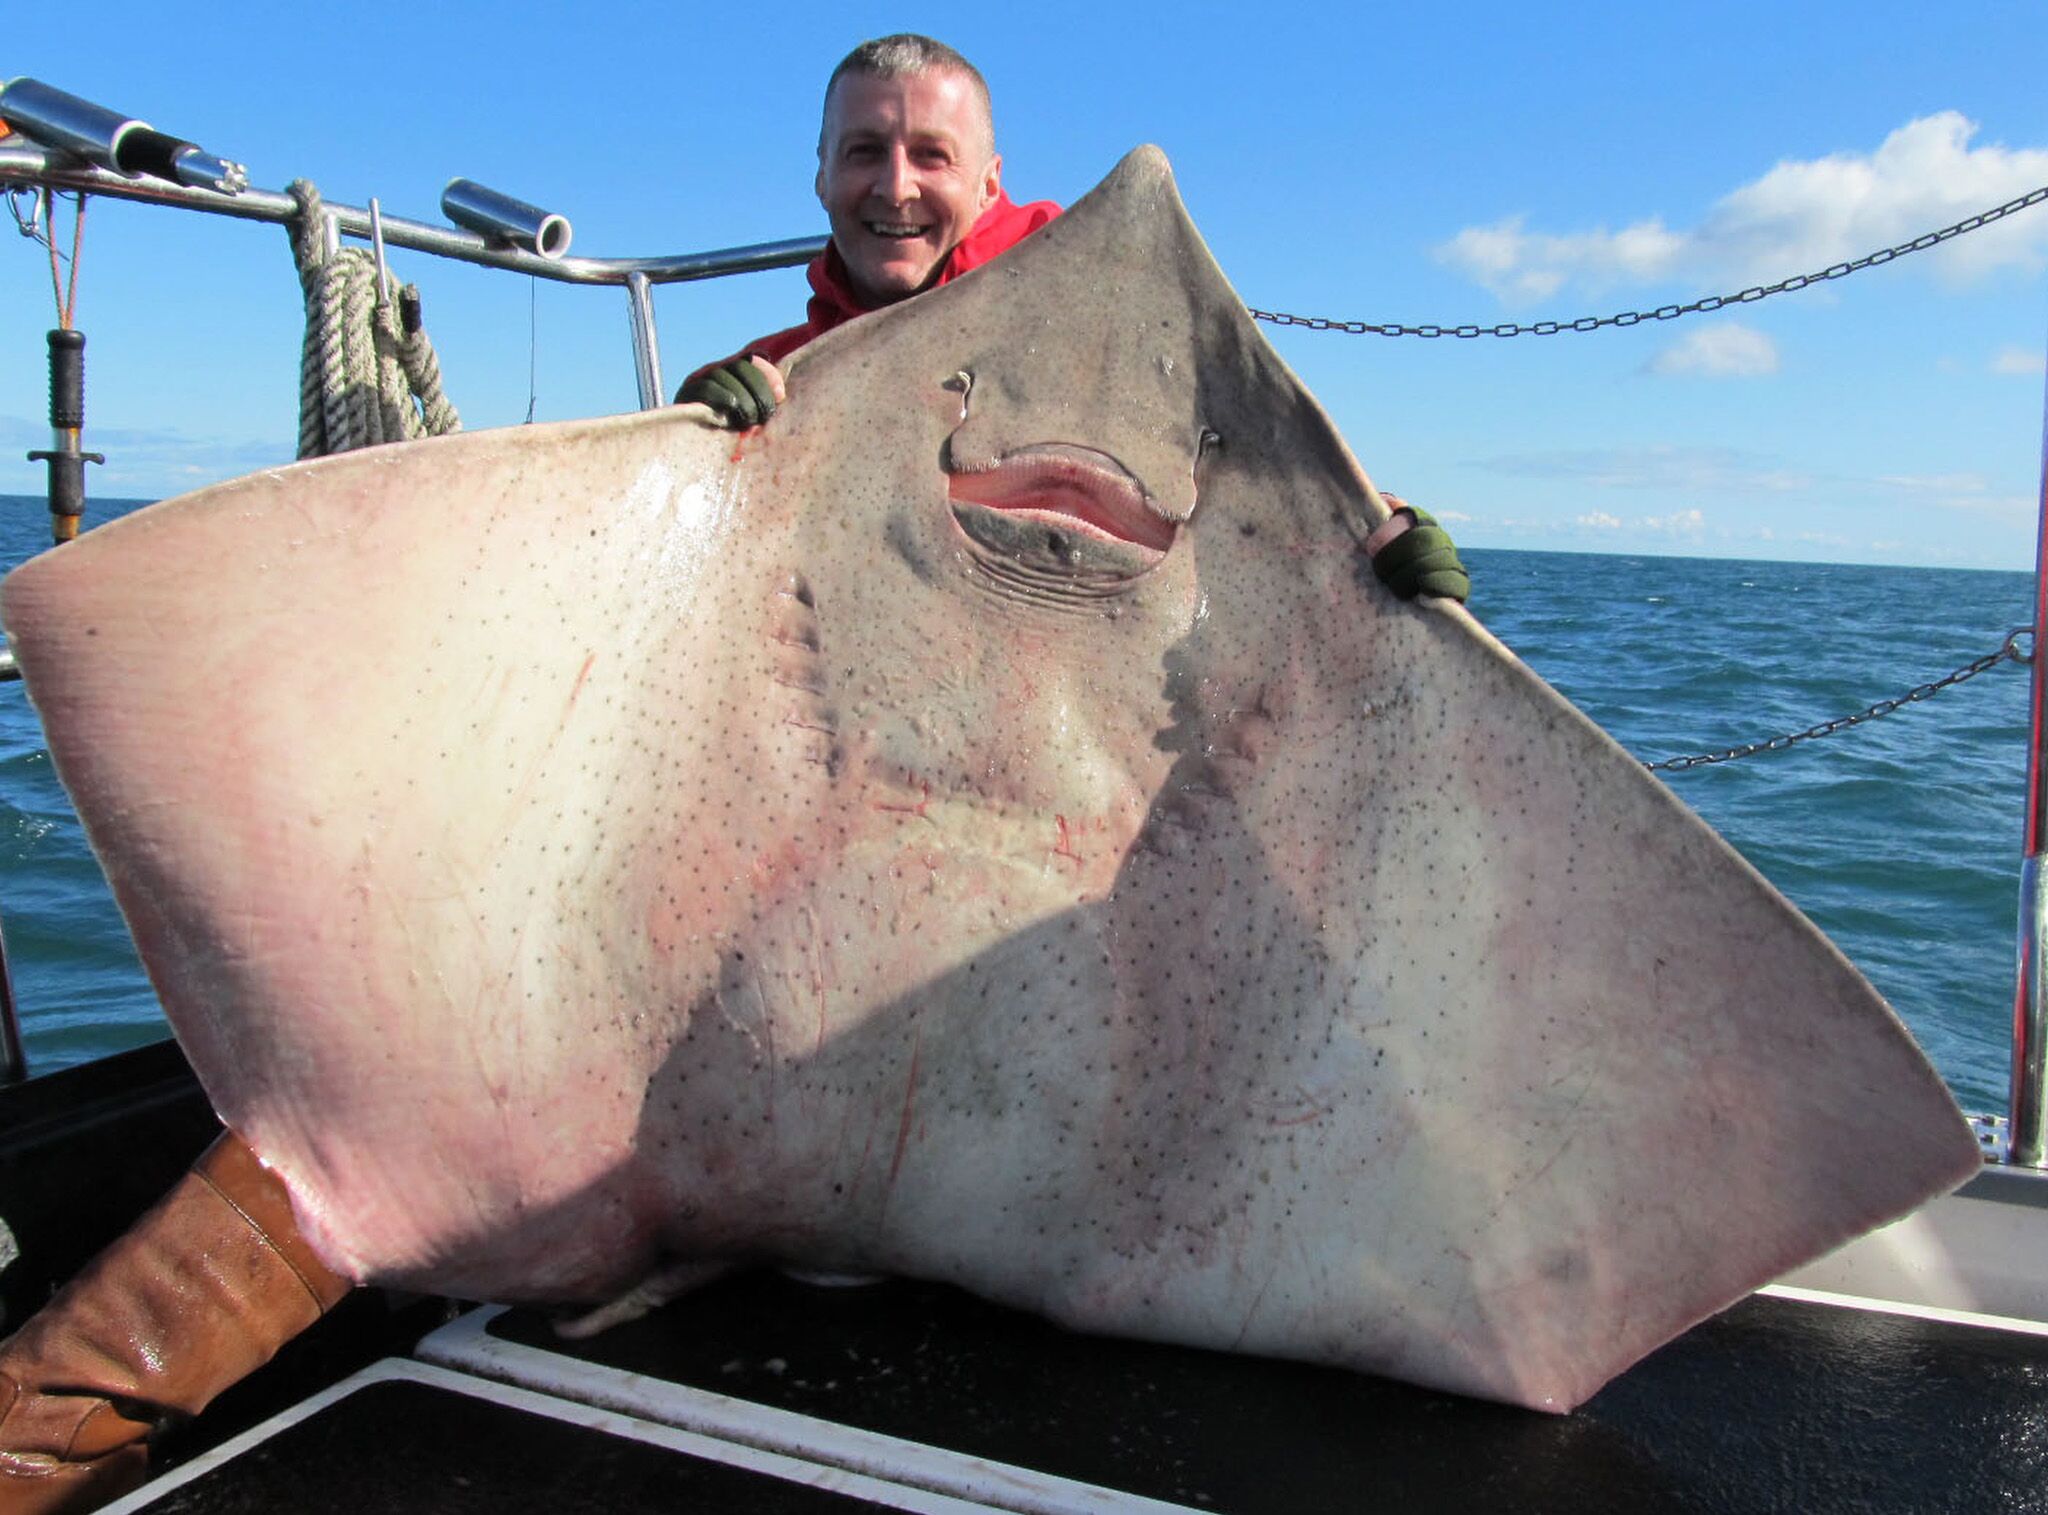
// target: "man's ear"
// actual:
[[991, 180], [818, 184]]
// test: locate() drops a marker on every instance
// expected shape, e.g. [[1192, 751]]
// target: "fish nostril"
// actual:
[[962, 383]]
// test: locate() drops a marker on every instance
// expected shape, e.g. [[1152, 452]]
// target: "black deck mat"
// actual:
[[398, 1448], [1773, 1406]]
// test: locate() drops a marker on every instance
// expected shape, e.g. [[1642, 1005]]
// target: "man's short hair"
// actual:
[[902, 54]]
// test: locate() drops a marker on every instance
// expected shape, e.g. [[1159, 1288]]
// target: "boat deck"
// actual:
[[763, 1393]]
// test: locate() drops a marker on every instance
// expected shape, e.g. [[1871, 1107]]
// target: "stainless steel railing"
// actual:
[[28, 164]]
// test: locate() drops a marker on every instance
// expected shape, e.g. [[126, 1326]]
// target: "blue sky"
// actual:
[[1478, 163]]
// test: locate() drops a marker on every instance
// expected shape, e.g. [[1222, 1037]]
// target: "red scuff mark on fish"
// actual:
[[582, 673], [1064, 845], [814, 948], [923, 803], [904, 1123], [1315, 1110]]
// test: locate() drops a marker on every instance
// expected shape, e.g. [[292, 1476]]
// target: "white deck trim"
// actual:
[[1975, 1318], [465, 1344], [753, 1459]]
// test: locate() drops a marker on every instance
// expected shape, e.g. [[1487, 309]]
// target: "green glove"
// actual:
[[737, 393], [1422, 560]]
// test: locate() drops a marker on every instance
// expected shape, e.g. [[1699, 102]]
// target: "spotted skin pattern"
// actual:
[[986, 824]]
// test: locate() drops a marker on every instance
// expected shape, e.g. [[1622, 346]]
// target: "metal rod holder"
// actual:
[[113, 141], [498, 216]]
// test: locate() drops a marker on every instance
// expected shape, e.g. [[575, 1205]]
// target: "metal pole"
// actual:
[[29, 164], [2027, 1132], [646, 345]]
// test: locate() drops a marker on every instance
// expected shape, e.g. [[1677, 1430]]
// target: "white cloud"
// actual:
[[1938, 483], [1801, 216], [1972, 492], [1519, 265], [1678, 523], [1673, 470], [1725, 351], [2027, 362], [2009, 506]]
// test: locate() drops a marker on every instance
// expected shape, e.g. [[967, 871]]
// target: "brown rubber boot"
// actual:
[[200, 1292]]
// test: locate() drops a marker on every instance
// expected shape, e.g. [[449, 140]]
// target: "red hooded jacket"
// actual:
[[833, 303]]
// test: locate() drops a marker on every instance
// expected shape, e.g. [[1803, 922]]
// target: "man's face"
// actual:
[[904, 170]]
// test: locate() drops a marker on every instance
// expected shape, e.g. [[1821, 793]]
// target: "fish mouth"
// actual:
[[1058, 509]]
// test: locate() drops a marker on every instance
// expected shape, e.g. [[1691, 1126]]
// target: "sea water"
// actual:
[[1900, 837]]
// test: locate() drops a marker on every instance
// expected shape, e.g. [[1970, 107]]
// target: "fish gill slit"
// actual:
[[797, 665]]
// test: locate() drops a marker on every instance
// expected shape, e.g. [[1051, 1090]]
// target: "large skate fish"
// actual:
[[986, 825]]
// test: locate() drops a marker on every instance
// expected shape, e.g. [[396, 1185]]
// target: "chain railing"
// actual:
[[1663, 312], [2010, 652]]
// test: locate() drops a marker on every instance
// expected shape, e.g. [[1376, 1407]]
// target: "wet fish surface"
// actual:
[[986, 825]]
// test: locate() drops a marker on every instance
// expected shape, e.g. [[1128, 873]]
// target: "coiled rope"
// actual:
[[369, 373]]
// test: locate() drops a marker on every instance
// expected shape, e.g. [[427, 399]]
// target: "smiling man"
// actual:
[[910, 178]]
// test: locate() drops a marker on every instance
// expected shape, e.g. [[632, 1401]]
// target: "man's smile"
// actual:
[[894, 230]]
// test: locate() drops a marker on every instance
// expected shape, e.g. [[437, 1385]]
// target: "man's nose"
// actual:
[[897, 182]]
